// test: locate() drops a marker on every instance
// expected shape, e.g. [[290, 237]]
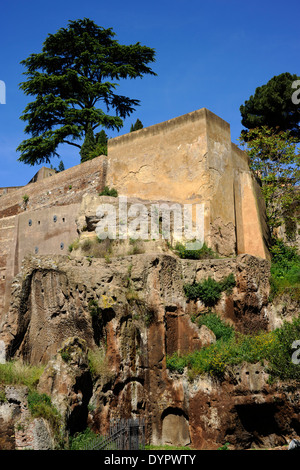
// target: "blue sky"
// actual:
[[208, 54]]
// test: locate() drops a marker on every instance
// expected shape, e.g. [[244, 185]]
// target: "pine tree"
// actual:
[[61, 166], [74, 81], [138, 125], [272, 106], [88, 145]]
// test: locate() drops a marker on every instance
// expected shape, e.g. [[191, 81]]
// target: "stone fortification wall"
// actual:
[[191, 160], [8, 189], [45, 221], [66, 187], [187, 160]]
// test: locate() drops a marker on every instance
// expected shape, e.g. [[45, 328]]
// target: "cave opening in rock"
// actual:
[[175, 427], [77, 421], [259, 425]]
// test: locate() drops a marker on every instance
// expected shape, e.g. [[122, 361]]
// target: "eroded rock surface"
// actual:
[[131, 313]]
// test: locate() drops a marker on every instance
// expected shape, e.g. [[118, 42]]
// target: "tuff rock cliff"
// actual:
[[130, 312]]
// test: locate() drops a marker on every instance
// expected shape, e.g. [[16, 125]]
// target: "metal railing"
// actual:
[[124, 434]]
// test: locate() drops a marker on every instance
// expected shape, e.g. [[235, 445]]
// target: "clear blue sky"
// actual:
[[211, 54]]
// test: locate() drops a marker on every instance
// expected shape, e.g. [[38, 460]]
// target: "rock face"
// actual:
[[104, 330], [56, 297], [18, 430]]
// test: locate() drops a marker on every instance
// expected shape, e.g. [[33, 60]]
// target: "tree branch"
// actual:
[[71, 143]]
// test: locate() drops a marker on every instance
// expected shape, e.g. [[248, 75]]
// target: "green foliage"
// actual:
[[40, 406], [93, 146], [227, 284], [283, 254], [276, 349], [283, 364], [229, 350], [61, 166], [77, 71], [3, 398], [109, 192], [135, 127], [221, 329], [285, 270], [209, 291], [177, 363], [166, 447], [224, 446], [19, 373], [88, 144], [101, 144], [99, 365], [274, 158], [66, 356], [202, 253], [82, 439], [94, 308], [74, 245], [272, 106], [25, 198], [37, 402]]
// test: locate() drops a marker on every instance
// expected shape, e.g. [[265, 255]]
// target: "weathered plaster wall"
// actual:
[[161, 162], [191, 159]]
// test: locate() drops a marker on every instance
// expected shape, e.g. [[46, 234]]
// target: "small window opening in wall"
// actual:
[[36, 250], [54, 218], [29, 222], [62, 246], [39, 222], [63, 219]]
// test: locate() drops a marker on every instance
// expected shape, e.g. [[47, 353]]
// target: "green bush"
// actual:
[[285, 270], [227, 351], [203, 253], [74, 245], [209, 291], [109, 192], [176, 363], [228, 283], [282, 362], [40, 406], [94, 308], [275, 349], [221, 329], [81, 440]]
